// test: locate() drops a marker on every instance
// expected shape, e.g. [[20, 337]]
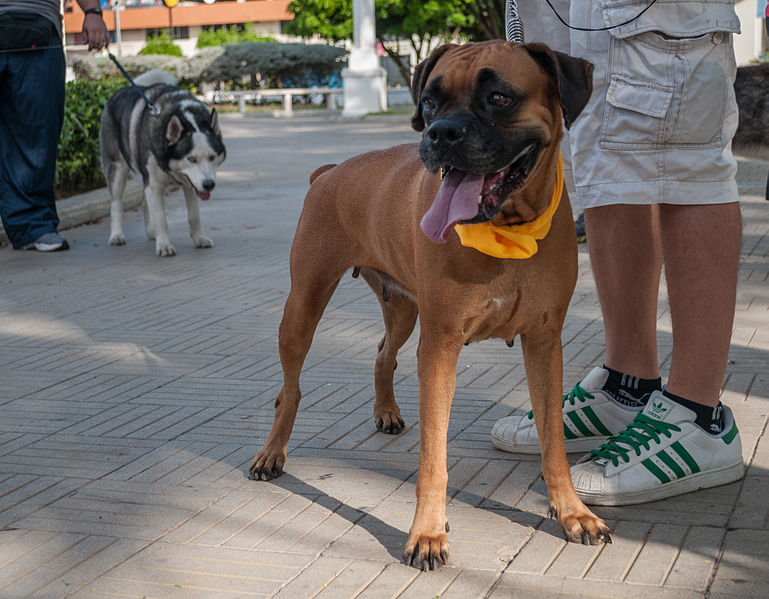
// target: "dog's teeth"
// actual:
[[480, 199]]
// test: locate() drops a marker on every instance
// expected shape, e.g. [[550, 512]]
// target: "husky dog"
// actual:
[[751, 87], [175, 144]]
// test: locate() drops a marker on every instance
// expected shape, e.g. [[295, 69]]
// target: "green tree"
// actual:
[[488, 20], [422, 23]]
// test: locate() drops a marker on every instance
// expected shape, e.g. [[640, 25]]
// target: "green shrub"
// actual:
[[231, 34], [77, 168], [161, 44]]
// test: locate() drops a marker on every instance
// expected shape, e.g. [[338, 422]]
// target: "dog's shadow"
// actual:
[[393, 539]]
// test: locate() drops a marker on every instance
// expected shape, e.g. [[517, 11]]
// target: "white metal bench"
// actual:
[[243, 95]]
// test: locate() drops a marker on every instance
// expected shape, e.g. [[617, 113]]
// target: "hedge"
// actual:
[[77, 167], [234, 65]]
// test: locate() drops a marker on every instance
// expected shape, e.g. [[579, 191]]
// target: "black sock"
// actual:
[[711, 420], [630, 390]]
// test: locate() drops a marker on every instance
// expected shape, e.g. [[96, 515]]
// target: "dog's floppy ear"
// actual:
[[174, 130], [213, 122], [573, 78], [421, 73]]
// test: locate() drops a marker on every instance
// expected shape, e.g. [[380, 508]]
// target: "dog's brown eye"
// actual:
[[500, 100], [428, 104]]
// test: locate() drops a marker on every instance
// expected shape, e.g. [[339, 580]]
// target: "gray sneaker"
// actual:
[[50, 242]]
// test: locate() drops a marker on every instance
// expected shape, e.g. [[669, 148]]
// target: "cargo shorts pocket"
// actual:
[[667, 92]]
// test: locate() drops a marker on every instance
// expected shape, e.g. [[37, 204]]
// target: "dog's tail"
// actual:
[[318, 172], [156, 76]]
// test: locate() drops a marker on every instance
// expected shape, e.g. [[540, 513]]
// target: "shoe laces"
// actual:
[[576, 394], [639, 433]]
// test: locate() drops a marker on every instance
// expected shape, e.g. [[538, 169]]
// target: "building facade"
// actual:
[[139, 19]]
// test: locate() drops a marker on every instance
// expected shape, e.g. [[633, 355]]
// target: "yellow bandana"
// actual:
[[513, 241]]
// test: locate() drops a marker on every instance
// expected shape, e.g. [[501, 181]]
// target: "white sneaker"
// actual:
[[660, 454], [590, 417]]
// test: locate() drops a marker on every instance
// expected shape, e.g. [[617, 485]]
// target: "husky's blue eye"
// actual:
[[191, 159]]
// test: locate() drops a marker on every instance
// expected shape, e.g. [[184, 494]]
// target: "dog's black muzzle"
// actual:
[[462, 141]]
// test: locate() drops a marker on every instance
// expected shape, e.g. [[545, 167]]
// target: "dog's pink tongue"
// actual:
[[203, 195], [456, 200]]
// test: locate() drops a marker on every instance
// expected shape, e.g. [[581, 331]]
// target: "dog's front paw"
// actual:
[[117, 239], [427, 551], [202, 241], [164, 249], [267, 464], [389, 421], [582, 526]]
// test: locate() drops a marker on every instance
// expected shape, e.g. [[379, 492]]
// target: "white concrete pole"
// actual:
[[364, 79]]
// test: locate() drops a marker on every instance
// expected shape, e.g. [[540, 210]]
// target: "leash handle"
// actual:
[[153, 109], [513, 23]]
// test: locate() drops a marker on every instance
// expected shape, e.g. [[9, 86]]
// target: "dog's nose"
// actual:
[[445, 132], [208, 184]]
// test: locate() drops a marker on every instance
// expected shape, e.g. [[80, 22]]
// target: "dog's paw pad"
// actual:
[[117, 240], [203, 242]]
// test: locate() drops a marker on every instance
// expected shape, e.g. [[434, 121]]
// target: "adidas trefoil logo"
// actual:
[[660, 409]]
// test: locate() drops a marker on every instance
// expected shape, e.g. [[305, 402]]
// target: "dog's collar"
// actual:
[[513, 241]]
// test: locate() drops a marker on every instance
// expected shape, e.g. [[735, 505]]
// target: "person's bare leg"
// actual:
[[701, 248], [626, 257]]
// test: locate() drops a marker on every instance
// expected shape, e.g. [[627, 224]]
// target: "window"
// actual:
[[179, 33]]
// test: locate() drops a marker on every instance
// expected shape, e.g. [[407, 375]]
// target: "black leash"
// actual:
[[153, 109]]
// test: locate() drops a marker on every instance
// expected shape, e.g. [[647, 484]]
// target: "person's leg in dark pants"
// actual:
[[31, 115]]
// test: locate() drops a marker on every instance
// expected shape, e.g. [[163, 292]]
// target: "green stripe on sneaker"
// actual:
[[586, 432], [671, 463], [729, 437], [596, 421], [567, 432], [686, 457], [651, 467]]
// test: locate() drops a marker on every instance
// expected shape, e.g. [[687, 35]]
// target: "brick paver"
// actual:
[[135, 390]]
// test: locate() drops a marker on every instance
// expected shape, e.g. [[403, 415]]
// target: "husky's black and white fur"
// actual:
[[180, 145]]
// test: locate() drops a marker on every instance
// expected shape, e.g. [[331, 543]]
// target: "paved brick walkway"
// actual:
[[135, 390]]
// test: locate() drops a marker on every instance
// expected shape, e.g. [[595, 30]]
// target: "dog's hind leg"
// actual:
[[117, 176], [400, 315], [193, 218], [543, 359], [315, 275]]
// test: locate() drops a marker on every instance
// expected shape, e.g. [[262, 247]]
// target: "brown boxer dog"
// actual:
[[492, 115]]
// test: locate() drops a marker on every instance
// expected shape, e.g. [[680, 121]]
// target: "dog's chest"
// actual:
[[496, 318]]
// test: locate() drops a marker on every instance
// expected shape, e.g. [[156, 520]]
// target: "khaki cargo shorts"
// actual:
[[658, 126]]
